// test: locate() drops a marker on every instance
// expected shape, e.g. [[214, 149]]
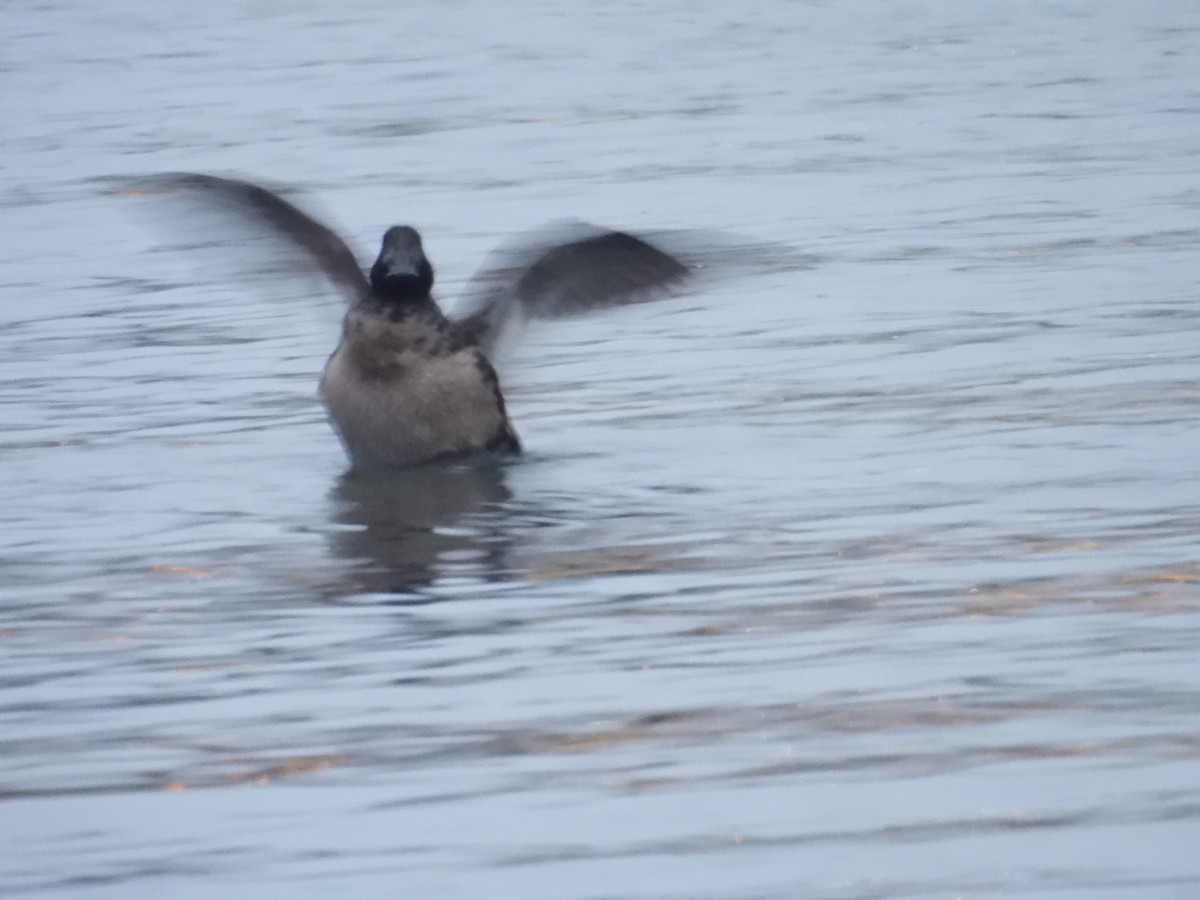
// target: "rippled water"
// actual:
[[868, 573]]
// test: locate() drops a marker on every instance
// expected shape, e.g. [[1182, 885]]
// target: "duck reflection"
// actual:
[[404, 524]]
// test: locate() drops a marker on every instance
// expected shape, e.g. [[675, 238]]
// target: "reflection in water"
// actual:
[[404, 524]]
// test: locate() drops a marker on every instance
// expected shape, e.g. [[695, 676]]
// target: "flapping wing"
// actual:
[[322, 247], [606, 268], [565, 269]]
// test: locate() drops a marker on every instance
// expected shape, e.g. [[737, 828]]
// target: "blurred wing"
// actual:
[[601, 270], [563, 270], [257, 206]]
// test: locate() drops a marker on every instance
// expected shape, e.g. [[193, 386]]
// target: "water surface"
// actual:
[[868, 572]]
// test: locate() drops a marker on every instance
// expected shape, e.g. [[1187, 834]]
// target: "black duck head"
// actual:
[[401, 274]]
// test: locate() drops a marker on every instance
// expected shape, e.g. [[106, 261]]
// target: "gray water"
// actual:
[[871, 572]]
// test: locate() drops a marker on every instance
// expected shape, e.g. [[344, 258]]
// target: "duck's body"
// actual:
[[402, 389], [406, 385]]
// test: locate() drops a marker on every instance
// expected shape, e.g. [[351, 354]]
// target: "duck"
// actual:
[[406, 384]]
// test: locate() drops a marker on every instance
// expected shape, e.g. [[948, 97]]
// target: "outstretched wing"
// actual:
[[322, 247], [564, 269]]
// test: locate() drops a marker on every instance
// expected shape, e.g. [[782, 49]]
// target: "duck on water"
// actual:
[[406, 384]]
